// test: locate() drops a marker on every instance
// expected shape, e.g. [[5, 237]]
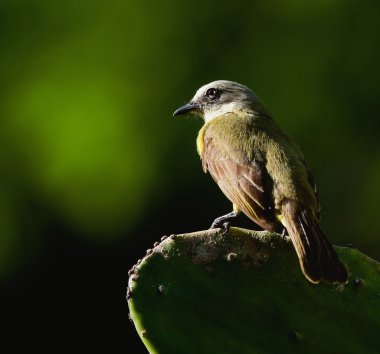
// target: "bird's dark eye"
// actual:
[[213, 93]]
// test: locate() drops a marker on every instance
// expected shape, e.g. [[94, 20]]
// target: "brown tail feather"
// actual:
[[316, 255]]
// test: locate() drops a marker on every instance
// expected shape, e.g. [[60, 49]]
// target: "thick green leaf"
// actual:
[[243, 292]]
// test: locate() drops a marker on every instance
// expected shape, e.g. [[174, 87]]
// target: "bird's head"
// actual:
[[221, 97]]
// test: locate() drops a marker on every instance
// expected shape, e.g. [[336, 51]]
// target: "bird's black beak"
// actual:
[[189, 107]]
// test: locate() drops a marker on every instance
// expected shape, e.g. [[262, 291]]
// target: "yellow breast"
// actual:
[[200, 140]]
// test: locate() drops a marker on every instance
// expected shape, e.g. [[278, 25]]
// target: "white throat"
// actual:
[[210, 114]]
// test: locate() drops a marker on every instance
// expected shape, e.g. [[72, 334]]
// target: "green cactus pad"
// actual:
[[243, 292]]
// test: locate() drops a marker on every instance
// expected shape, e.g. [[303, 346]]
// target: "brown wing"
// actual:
[[245, 183]]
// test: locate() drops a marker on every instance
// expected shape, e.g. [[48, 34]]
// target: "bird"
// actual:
[[263, 172]]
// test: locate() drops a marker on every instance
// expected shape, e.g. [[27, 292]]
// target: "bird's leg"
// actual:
[[223, 221], [283, 234]]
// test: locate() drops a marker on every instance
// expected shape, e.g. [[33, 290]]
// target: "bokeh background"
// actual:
[[94, 169]]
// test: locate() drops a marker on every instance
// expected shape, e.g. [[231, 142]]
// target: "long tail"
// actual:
[[316, 255]]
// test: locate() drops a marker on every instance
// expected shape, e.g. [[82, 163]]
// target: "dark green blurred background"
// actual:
[[94, 169]]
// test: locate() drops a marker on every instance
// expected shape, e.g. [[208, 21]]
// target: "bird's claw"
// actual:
[[223, 227]]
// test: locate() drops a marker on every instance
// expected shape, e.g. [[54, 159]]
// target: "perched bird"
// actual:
[[262, 172]]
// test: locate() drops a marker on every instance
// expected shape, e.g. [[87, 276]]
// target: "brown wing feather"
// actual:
[[246, 184]]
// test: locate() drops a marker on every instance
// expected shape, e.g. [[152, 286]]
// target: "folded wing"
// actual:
[[245, 183]]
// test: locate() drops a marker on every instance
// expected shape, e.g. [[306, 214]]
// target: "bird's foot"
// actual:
[[223, 221]]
